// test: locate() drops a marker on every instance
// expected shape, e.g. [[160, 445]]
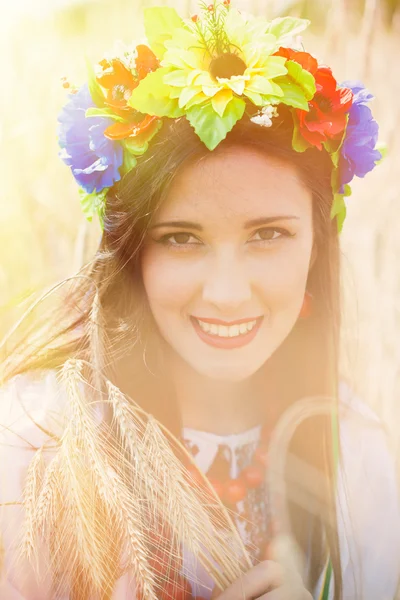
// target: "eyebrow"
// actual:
[[247, 225]]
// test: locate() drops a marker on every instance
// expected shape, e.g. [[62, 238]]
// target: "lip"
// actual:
[[229, 323], [226, 343]]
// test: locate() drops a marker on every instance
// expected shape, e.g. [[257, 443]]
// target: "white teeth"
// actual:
[[234, 331], [225, 330]]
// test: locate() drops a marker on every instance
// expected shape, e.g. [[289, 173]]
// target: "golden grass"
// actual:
[[45, 237]]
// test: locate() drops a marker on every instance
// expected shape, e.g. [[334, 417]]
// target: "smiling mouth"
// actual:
[[226, 329], [226, 337]]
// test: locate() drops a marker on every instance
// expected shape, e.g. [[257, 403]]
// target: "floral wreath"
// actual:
[[205, 68]]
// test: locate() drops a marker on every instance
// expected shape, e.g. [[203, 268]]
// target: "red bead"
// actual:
[[217, 485], [195, 18], [261, 456], [235, 491], [195, 476], [163, 562], [210, 7], [227, 2], [179, 589], [253, 476]]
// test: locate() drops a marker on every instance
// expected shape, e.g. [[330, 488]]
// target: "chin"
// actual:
[[229, 372]]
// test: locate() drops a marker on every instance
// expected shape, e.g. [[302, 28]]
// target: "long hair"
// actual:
[[104, 320]]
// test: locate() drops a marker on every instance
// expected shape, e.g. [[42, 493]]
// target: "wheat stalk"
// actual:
[[31, 491]]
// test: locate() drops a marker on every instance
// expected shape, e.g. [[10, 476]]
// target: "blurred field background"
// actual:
[[44, 236]]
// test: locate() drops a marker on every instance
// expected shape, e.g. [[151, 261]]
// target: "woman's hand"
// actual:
[[266, 581]]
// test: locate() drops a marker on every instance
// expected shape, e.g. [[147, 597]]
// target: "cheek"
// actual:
[[168, 283], [284, 278]]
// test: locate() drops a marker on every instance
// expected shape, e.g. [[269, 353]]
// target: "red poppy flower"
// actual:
[[329, 107], [146, 61], [119, 82], [131, 128]]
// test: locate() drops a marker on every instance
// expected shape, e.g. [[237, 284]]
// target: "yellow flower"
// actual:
[[244, 68]]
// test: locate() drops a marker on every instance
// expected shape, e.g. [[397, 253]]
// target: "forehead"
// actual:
[[236, 183]]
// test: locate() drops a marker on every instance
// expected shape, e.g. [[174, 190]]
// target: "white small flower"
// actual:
[[126, 54], [265, 115]]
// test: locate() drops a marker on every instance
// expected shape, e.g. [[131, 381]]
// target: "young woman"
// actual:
[[143, 450]]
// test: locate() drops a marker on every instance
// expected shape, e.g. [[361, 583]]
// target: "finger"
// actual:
[[265, 576], [287, 592]]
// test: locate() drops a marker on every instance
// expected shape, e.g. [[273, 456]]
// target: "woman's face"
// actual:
[[226, 260]]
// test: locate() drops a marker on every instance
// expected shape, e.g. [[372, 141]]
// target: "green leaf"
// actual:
[[103, 112], [93, 203], [338, 210], [209, 126], [138, 145], [334, 146], [382, 148], [287, 26], [298, 86], [95, 88], [151, 96], [129, 163], [298, 142], [159, 25]]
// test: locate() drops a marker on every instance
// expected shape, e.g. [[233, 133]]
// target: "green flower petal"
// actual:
[[172, 58], [192, 76], [260, 85], [182, 39], [186, 94], [254, 97], [204, 78], [235, 27], [95, 88], [198, 99], [285, 27], [209, 126], [211, 90], [93, 203], [298, 86], [104, 112], [298, 142], [152, 96], [160, 22], [220, 101], [130, 161], [176, 78], [275, 66], [339, 210], [236, 83]]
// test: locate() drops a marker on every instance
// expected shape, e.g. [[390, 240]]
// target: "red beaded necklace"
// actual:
[[230, 491]]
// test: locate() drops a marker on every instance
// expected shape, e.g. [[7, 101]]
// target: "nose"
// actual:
[[227, 285]]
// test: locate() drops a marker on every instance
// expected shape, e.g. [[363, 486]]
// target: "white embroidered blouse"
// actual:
[[368, 501]]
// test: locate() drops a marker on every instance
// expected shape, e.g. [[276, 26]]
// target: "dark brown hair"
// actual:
[[305, 364]]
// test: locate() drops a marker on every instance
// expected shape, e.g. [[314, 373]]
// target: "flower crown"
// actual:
[[206, 68]]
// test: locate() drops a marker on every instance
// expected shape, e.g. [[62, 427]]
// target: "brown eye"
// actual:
[[267, 233], [181, 238], [271, 234]]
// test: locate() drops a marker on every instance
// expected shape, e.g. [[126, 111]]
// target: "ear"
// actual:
[[314, 254]]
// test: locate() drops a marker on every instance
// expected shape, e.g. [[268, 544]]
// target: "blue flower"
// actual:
[[94, 159], [358, 154]]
